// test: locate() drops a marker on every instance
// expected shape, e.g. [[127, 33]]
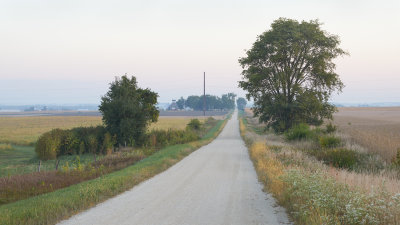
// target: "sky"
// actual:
[[68, 51]]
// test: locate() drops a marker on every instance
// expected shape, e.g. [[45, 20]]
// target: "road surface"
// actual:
[[216, 184]]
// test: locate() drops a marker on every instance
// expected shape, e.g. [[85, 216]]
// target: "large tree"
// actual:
[[289, 72], [128, 110], [241, 103]]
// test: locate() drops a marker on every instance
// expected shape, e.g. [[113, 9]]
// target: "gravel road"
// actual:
[[216, 184]]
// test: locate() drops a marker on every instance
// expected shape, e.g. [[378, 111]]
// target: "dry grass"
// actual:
[[375, 129], [316, 193], [26, 130], [176, 123], [23, 186]]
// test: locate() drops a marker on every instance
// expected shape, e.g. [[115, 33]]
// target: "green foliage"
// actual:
[[162, 138], [299, 132], [341, 157], [128, 110], [329, 141], [108, 144], [330, 128], [241, 103], [225, 102], [289, 72], [52, 207], [194, 124], [312, 198], [48, 145], [181, 103], [79, 140], [396, 160]]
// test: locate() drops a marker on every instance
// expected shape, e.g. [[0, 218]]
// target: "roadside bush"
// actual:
[[330, 128], [48, 144], [194, 124], [79, 140], [329, 142], [396, 159], [340, 158], [161, 138], [299, 132]]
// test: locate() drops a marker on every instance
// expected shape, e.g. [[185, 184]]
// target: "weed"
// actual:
[[329, 141]]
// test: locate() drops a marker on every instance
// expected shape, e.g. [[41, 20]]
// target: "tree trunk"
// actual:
[[40, 163]]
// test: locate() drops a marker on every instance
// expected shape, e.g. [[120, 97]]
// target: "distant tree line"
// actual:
[[225, 102], [241, 103], [127, 112]]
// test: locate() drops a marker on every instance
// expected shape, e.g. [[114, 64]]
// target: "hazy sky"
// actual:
[[68, 51]]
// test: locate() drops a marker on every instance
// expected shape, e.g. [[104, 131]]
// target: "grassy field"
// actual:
[[26, 130], [375, 129], [51, 207], [314, 192]]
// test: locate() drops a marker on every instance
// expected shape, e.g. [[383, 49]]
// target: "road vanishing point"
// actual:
[[216, 184]]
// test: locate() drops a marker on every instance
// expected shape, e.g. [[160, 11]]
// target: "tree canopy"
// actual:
[[225, 102], [241, 103], [128, 110], [289, 72]]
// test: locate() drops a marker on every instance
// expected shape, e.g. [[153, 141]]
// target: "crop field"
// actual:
[[375, 129], [22, 132], [26, 130]]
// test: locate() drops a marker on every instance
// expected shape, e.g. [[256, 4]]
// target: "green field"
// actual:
[[51, 207], [23, 159]]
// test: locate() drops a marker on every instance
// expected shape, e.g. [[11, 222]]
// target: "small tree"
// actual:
[[289, 72], [241, 103], [128, 110], [181, 103]]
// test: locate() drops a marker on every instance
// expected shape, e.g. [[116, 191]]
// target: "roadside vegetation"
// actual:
[[63, 156], [376, 130], [320, 178], [20, 159], [74, 169], [60, 204]]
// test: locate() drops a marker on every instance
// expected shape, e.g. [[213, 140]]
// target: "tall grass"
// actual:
[[26, 130], [310, 192], [52, 207]]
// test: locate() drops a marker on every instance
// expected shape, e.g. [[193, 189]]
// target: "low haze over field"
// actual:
[[69, 51]]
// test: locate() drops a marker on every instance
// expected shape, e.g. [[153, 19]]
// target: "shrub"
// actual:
[[329, 142], [341, 158], [194, 124], [161, 138], [396, 159], [330, 128], [108, 144], [299, 132], [48, 144]]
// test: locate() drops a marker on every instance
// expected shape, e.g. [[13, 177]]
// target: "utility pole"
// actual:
[[204, 95]]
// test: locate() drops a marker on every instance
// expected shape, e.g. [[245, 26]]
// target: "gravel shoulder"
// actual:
[[216, 184]]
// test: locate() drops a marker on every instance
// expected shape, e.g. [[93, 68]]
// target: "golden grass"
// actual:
[[26, 130], [178, 123], [375, 129], [305, 186]]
